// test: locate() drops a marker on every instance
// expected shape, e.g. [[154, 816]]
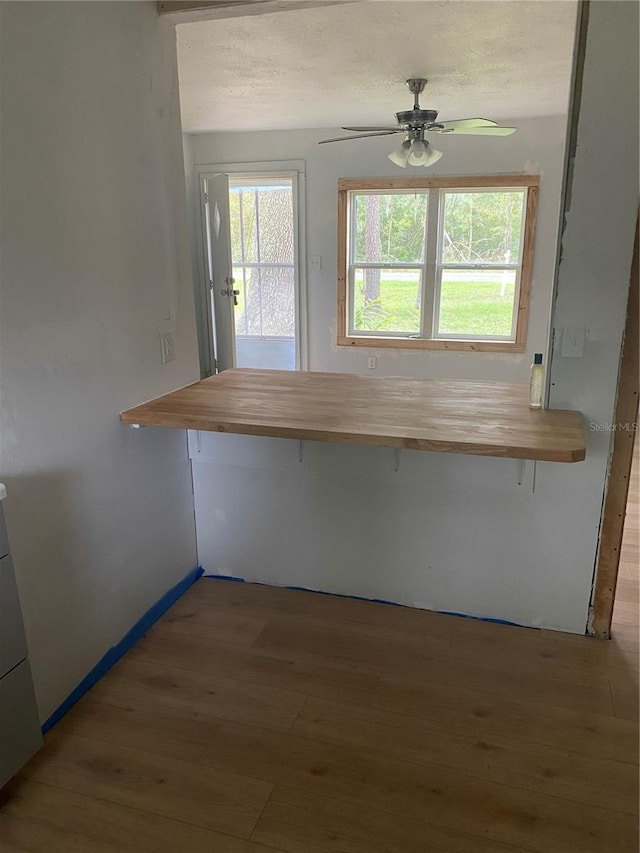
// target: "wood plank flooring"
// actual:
[[626, 610], [257, 720]]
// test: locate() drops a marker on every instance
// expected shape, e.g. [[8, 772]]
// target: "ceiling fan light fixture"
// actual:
[[401, 154], [433, 155], [418, 153], [415, 152]]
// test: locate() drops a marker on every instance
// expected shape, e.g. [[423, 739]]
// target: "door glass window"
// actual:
[[264, 267]]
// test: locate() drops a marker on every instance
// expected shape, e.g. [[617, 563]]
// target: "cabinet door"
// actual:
[[4, 539], [13, 645], [20, 736]]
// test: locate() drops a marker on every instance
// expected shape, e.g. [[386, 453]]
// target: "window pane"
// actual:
[[242, 278], [389, 228], [275, 208], [266, 303], [482, 227], [387, 300], [262, 223], [235, 226], [477, 302], [243, 207]]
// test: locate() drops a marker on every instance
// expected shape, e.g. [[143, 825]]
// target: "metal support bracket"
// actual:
[[521, 472], [300, 451], [396, 459]]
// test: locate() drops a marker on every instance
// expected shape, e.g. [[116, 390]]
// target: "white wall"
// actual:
[[597, 245], [537, 147], [95, 257], [444, 532]]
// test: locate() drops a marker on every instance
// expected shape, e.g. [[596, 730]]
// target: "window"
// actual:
[[435, 263]]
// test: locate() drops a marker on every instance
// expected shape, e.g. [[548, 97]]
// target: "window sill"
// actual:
[[433, 344]]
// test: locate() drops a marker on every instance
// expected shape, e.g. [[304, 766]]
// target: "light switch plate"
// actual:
[[572, 342], [315, 262]]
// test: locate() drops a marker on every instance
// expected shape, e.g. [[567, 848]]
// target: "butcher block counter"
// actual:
[[470, 417]]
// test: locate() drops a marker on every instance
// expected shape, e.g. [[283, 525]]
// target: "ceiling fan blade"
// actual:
[[467, 122], [481, 131], [361, 136], [375, 127]]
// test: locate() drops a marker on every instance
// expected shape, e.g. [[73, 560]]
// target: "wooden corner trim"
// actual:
[[617, 487]]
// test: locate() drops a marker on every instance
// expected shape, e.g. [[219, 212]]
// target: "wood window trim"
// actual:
[[518, 345]]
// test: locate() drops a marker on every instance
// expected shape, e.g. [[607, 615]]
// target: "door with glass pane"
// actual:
[[219, 262], [263, 295]]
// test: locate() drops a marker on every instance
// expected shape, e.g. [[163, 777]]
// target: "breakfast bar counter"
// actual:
[[469, 417]]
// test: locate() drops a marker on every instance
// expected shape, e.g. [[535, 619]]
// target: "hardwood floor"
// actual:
[[625, 611], [254, 720]]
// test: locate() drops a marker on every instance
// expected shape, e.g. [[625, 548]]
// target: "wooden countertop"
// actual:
[[480, 418]]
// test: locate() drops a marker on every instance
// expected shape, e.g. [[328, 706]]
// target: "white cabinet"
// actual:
[[20, 735], [4, 539], [13, 643]]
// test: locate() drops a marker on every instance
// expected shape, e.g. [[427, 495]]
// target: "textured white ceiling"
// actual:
[[324, 67]]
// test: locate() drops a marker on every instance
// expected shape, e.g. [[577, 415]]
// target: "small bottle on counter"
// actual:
[[536, 384]]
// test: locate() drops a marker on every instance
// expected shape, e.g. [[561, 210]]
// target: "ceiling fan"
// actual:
[[415, 123]]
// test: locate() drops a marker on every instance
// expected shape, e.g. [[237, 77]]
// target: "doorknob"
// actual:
[[229, 291]]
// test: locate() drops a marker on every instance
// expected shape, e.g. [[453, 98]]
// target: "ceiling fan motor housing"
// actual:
[[417, 118]]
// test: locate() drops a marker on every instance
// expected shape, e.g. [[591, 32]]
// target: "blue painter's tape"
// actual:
[[345, 595], [374, 600], [480, 618], [120, 649]]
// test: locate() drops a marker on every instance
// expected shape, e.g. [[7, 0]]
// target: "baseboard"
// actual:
[[120, 649], [495, 620]]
